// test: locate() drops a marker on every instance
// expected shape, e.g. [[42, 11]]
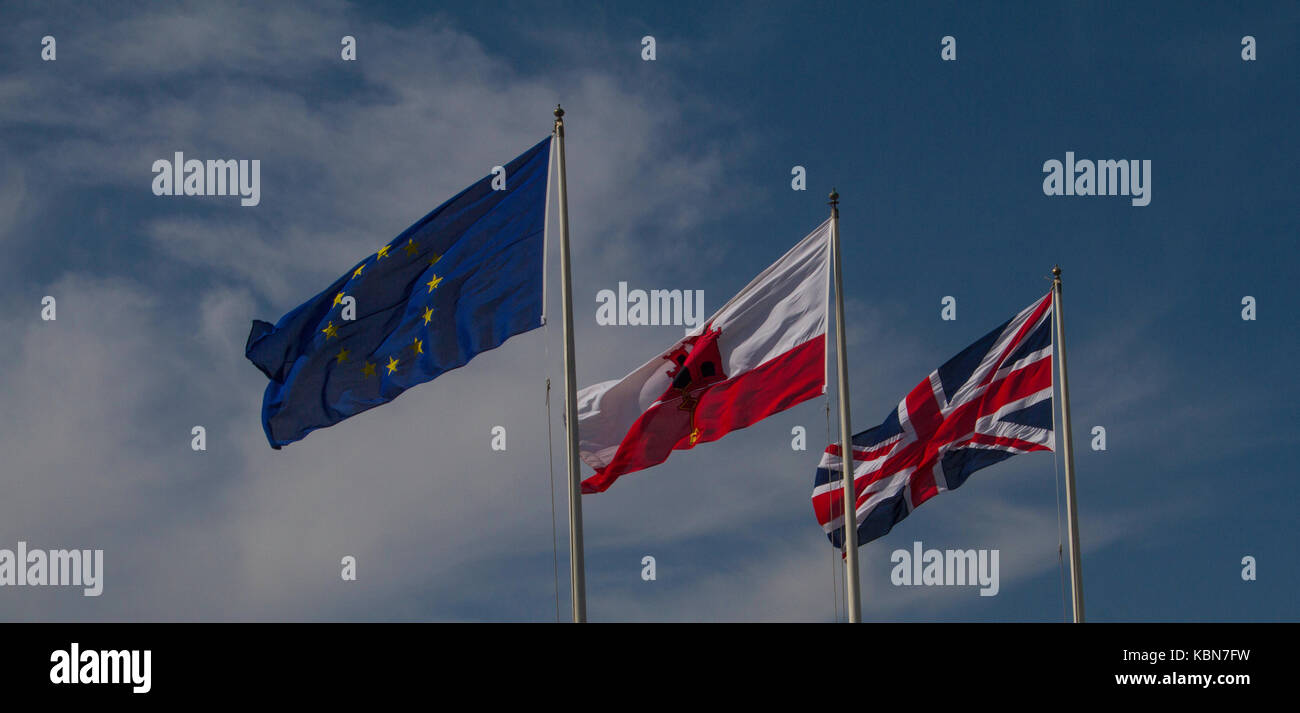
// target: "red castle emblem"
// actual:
[[697, 365]]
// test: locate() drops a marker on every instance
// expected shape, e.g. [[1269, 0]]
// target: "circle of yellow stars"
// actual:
[[331, 331]]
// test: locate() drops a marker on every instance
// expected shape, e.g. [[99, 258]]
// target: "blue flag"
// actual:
[[462, 280]]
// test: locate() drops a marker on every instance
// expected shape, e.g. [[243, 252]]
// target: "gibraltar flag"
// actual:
[[762, 353]]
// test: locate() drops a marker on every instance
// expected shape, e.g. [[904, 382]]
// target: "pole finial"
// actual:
[[835, 197], [1056, 271], [559, 112]]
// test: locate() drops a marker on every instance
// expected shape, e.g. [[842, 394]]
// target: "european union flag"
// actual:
[[462, 280]]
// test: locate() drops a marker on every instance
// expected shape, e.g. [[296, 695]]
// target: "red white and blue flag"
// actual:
[[988, 403]]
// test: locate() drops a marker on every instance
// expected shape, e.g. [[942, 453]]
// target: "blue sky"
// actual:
[[680, 175]]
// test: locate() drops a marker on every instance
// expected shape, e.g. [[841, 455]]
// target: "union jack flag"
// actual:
[[988, 403]]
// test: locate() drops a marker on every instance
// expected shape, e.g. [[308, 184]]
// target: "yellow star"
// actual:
[[368, 370], [428, 314], [360, 267], [383, 253], [411, 248], [435, 259], [433, 283], [337, 299], [392, 364], [342, 356], [330, 331], [418, 346]]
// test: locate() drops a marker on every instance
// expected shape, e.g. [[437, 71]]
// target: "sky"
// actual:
[[680, 176]]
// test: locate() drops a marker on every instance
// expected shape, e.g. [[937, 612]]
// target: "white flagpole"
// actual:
[[1067, 448], [853, 601], [577, 569]]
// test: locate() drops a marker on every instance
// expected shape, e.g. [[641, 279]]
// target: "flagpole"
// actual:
[[846, 434], [577, 568], [1067, 447]]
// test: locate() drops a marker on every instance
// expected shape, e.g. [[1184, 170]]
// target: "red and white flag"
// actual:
[[762, 353]]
